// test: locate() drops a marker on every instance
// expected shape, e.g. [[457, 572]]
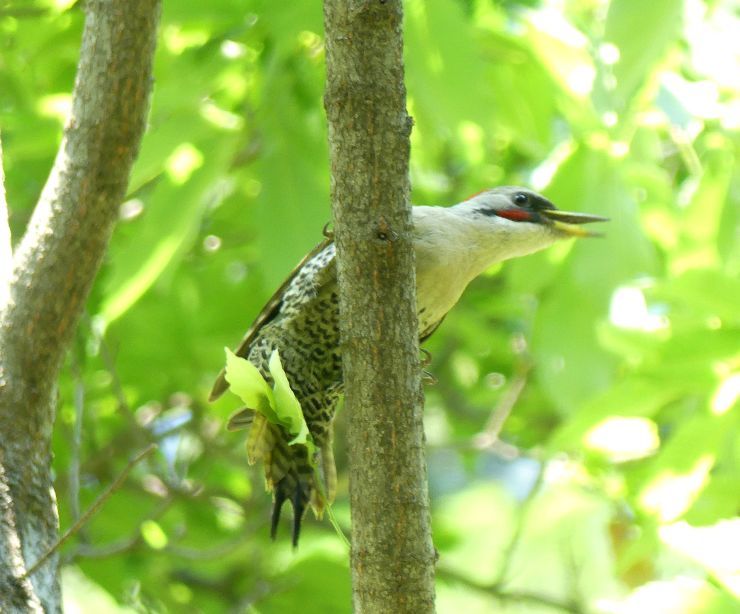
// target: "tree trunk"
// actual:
[[392, 552], [52, 270]]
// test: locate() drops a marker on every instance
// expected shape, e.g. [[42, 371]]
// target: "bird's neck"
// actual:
[[465, 245], [454, 245]]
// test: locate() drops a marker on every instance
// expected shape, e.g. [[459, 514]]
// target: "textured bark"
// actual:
[[392, 552], [52, 271], [6, 253]]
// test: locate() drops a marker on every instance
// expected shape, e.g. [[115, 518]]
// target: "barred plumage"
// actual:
[[301, 320], [453, 245]]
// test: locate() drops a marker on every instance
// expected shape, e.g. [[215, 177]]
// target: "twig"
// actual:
[[74, 463], [490, 434], [205, 554], [121, 545], [100, 552], [330, 512], [117, 386], [94, 508], [22, 13], [498, 592], [519, 530], [110, 364]]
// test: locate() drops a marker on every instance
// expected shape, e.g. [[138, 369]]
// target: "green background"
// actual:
[[614, 485]]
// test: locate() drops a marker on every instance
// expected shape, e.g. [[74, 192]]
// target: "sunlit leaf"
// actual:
[[247, 382], [287, 407], [640, 42]]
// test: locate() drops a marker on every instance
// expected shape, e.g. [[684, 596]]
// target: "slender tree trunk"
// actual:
[[392, 552], [44, 291], [6, 251]]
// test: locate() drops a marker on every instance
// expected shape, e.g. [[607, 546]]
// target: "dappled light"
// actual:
[[582, 434]]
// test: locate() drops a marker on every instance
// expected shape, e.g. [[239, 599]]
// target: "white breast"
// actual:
[[443, 262]]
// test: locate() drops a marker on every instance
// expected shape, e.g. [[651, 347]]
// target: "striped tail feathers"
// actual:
[[241, 419], [290, 477], [288, 474], [262, 438], [289, 489]]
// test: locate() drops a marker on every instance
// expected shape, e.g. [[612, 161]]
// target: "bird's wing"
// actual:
[[268, 313]]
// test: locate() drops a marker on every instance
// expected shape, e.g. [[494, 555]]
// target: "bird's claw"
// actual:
[[427, 360], [428, 379], [327, 232]]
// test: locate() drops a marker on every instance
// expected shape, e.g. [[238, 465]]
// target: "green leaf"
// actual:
[[641, 42], [248, 384], [160, 238], [287, 407]]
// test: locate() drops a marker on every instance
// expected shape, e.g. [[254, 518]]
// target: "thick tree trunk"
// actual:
[[392, 552], [52, 271]]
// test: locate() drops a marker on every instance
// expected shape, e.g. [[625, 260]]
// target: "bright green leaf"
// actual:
[[247, 382], [287, 407]]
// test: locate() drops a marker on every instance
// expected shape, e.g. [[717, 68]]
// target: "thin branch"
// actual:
[[519, 530], [114, 548], [116, 383], [490, 434], [206, 554], [23, 13], [124, 544], [523, 597], [94, 508], [76, 444]]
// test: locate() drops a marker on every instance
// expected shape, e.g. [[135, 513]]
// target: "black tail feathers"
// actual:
[[298, 495]]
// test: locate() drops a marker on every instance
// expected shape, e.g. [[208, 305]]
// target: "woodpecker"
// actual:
[[453, 245]]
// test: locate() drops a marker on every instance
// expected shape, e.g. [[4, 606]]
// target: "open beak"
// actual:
[[569, 222]]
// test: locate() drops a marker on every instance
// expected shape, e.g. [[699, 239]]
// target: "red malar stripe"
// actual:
[[516, 215]]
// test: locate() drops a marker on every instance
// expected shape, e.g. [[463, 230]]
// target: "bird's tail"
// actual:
[[288, 473]]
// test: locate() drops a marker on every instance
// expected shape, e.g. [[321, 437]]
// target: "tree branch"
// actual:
[[59, 255], [392, 552], [54, 267], [93, 509], [513, 596]]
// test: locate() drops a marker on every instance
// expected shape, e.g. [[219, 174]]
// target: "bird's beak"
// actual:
[[569, 222]]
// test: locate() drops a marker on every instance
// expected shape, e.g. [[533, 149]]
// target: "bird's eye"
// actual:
[[520, 199]]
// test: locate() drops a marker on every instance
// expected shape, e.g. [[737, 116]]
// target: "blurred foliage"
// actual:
[[613, 486]]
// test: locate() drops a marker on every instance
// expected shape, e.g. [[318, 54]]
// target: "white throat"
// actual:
[[455, 244]]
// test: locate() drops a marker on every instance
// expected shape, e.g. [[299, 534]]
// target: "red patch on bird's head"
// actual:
[[515, 215]]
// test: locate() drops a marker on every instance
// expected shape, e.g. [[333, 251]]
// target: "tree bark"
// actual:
[[52, 271], [6, 252], [392, 552]]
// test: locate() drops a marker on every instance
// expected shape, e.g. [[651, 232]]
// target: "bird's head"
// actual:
[[494, 225], [522, 211], [491, 226]]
